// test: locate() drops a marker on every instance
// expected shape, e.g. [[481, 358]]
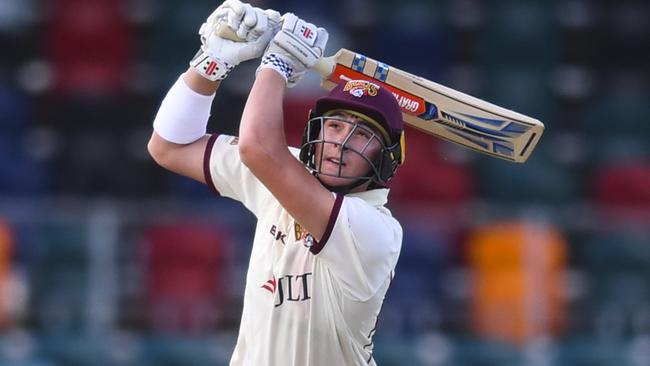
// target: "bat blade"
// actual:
[[441, 111]]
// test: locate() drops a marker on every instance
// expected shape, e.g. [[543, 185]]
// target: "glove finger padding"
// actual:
[[297, 47], [271, 19], [230, 11], [273, 16], [240, 18], [250, 16], [302, 40], [249, 31], [236, 5], [258, 25], [246, 22]]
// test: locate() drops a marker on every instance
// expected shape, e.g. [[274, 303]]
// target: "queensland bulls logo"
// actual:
[[302, 234], [359, 88]]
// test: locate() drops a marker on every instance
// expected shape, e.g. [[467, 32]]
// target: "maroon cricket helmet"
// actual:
[[373, 101], [367, 98]]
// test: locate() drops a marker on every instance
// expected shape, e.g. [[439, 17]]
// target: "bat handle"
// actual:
[[325, 66], [225, 32]]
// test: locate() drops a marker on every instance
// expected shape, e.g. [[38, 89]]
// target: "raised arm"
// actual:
[[186, 159], [262, 144], [179, 139]]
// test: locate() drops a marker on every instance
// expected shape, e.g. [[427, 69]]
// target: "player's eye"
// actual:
[[363, 133], [333, 124]]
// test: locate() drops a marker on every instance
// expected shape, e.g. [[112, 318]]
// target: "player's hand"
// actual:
[[252, 27], [296, 48]]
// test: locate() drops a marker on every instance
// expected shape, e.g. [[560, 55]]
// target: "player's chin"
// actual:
[[335, 181]]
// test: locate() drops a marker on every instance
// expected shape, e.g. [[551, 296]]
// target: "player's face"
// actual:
[[347, 141]]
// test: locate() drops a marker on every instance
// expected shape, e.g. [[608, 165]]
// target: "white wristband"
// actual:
[[273, 61], [183, 115]]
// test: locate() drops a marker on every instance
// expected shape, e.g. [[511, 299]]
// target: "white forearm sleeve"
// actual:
[[183, 115]]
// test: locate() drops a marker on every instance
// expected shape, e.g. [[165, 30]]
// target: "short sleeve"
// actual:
[[361, 246], [229, 177]]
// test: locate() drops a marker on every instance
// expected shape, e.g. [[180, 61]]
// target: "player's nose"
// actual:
[[343, 139], [339, 145]]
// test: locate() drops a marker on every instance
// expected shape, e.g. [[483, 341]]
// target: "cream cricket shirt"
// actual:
[[306, 302]]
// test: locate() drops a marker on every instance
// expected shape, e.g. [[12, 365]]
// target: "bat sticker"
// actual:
[[381, 73], [409, 103], [359, 62]]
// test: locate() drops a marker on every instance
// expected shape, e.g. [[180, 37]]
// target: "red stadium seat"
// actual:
[[6, 254], [296, 114], [427, 179], [187, 267], [623, 188], [89, 46]]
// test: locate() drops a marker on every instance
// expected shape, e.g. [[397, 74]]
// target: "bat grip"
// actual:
[[225, 32], [325, 66]]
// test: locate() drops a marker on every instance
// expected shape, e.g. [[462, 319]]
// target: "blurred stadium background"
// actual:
[[106, 259]]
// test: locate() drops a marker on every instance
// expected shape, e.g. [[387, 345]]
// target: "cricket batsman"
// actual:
[[325, 247]]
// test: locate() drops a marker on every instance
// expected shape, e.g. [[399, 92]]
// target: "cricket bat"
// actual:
[[436, 109]]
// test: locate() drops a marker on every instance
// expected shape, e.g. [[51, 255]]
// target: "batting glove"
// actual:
[[296, 48], [252, 29]]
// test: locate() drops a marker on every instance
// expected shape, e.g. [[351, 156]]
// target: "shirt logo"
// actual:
[[289, 288], [270, 285], [277, 234], [302, 234]]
